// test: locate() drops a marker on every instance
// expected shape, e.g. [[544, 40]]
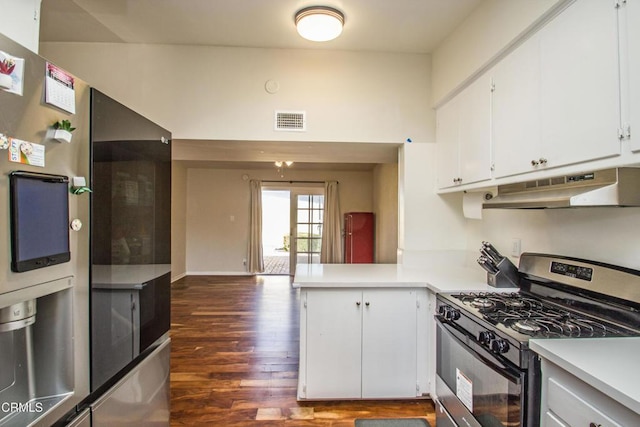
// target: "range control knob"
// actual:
[[443, 309], [499, 346], [452, 314], [485, 337], [448, 312]]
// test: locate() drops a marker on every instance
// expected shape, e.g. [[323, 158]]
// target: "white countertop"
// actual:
[[126, 276], [608, 364], [440, 272]]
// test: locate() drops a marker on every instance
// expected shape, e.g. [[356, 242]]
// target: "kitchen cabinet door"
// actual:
[[463, 134], [333, 344], [447, 135], [389, 343], [475, 131], [516, 111], [630, 52], [579, 84]]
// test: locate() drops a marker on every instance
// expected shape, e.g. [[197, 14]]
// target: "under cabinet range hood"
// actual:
[[608, 187]]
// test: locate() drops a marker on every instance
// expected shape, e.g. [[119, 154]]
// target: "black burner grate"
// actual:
[[533, 317]]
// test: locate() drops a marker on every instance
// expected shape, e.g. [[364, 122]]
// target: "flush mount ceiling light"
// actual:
[[280, 166], [319, 23]]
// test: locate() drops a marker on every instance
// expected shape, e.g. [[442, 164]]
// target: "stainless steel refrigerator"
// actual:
[[44, 241], [84, 253]]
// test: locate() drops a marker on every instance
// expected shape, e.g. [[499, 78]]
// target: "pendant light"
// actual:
[[319, 23]]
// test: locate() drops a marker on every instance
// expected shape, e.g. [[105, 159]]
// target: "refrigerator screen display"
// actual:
[[39, 220]]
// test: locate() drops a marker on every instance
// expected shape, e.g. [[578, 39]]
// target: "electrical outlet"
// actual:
[[516, 247], [244, 261]]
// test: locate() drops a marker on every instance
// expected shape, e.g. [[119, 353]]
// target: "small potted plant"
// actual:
[[7, 65], [62, 131]]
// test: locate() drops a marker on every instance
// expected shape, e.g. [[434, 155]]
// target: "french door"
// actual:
[[307, 210]]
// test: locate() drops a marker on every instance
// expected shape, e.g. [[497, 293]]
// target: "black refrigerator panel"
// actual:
[[131, 170], [130, 240]]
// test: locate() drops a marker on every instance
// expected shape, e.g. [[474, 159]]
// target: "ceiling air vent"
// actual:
[[291, 121]]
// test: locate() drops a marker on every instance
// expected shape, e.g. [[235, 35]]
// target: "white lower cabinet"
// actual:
[[358, 343], [568, 401]]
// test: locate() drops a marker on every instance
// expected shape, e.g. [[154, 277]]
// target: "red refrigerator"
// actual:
[[358, 237]]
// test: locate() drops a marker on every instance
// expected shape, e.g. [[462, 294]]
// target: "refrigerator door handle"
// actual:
[[350, 238]]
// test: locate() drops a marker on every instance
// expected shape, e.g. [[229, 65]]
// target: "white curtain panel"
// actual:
[[331, 249], [255, 260]]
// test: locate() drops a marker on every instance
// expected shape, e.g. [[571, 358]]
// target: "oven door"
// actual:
[[475, 387]]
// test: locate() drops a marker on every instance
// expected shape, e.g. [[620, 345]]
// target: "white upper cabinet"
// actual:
[[579, 84], [630, 70], [517, 136], [447, 134], [557, 96], [463, 133]]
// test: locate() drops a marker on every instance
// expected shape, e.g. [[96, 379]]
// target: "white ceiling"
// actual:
[[408, 26], [415, 26]]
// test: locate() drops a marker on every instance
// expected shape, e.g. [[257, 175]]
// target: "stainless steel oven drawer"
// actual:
[[456, 412], [443, 419]]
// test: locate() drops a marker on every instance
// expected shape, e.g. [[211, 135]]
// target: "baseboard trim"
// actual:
[[178, 277], [218, 273]]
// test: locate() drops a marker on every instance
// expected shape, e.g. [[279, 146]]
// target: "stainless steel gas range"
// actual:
[[486, 373]]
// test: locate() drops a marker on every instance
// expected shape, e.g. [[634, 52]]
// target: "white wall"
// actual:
[[215, 244], [20, 21], [201, 92], [602, 234], [428, 221], [481, 37]]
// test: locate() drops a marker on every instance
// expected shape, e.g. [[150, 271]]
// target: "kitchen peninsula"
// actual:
[[367, 330]]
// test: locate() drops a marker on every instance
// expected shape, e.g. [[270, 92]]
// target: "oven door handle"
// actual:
[[479, 352]]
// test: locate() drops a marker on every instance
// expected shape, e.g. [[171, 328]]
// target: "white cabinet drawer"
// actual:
[[573, 409], [550, 420]]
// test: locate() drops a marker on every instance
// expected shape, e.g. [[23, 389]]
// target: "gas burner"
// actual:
[[526, 327], [482, 303], [515, 303]]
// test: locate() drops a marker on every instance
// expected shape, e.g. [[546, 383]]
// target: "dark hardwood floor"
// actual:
[[234, 359]]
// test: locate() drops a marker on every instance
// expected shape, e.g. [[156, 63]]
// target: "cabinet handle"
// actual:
[[534, 163], [543, 161], [595, 425], [367, 303], [358, 303]]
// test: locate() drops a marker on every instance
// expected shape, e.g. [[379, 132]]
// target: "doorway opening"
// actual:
[[291, 228], [276, 231]]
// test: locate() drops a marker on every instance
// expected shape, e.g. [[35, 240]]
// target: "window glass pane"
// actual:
[[303, 215], [303, 201], [315, 245], [316, 230], [303, 259], [302, 245], [303, 230], [316, 216]]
